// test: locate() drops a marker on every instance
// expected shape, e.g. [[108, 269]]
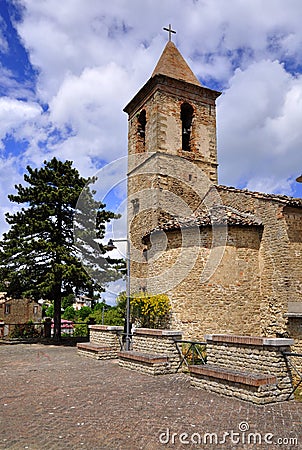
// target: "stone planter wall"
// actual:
[[153, 351], [241, 362], [103, 342], [105, 335]]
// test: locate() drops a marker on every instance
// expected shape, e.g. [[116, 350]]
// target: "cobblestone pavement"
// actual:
[[51, 398]]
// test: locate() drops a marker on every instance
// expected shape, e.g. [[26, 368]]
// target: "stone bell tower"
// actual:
[[172, 117], [174, 114]]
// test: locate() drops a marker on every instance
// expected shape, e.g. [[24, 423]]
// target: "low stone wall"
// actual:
[[105, 335], [103, 342], [295, 332], [152, 342], [158, 342], [246, 355]]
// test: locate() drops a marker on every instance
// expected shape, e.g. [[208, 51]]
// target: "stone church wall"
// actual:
[[233, 290], [280, 269]]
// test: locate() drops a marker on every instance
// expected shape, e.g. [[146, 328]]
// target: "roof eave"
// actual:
[[164, 82]]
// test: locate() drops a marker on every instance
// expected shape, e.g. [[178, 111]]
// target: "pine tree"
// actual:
[[38, 255]]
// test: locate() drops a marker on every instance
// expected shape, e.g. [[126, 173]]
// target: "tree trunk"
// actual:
[[57, 271], [57, 310]]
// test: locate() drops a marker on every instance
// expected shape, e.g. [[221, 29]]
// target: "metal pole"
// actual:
[[128, 331], [128, 299]]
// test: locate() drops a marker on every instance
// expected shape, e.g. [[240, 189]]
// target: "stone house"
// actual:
[[18, 311], [229, 259], [81, 301]]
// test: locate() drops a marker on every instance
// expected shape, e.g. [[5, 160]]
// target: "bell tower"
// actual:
[[174, 114], [172, 117]]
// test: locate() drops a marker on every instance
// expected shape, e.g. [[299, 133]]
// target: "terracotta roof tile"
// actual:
[[218, 215], [172, 64]]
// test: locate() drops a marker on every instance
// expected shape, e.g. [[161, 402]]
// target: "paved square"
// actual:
[[51, 398]]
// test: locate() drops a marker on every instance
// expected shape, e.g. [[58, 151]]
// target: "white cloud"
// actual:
[[91, 105], [16, 113], [258, 127], [9, 170], [3, 40]]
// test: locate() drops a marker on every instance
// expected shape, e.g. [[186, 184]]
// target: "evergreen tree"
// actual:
[[38, 255]]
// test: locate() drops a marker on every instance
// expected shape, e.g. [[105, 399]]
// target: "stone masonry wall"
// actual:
[[21, 311], [157, 342], [204, 307], [248, 355], [293, 221], [154, 369], [280, 270], [106, 336]]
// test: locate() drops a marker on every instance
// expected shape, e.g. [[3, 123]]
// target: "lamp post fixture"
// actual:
[[111, 246]]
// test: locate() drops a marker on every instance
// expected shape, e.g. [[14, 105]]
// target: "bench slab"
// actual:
[[143, 357], [236, 376], [96, 351], [90, 346], [148, 363]]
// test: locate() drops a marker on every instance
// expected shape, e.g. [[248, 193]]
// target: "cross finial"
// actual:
[[170, 31]]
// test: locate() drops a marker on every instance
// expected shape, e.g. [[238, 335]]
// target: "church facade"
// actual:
[[229, 259]]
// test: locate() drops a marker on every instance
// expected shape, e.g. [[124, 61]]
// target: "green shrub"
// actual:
[[80, 330], [84, 312], [150, 311], [70, 313]]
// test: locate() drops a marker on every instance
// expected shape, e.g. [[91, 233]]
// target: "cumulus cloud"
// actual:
[[258, 133], [90, 104], [14, 114]]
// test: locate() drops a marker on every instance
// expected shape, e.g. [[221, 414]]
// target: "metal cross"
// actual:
[[170, 31]]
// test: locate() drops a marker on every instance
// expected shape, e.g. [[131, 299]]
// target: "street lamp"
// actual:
[[111, 246]]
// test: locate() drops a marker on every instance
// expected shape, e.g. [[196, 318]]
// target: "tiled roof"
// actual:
[[172, 64], [284, 199], [218, 215]]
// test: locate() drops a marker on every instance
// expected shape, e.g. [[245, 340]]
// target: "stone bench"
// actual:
[[104, 342], [234, 376], [95, 351], [250, 368], [154, 352], [152, 364]]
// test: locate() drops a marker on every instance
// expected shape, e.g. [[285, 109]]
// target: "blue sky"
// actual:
[[67, 69]]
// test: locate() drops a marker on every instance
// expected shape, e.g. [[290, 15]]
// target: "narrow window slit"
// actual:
[[186, 115]]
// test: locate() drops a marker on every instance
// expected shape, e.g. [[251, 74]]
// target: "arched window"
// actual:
[[141, 129], [186, 115]]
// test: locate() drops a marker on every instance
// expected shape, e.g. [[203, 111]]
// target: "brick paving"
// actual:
[[51, 398]]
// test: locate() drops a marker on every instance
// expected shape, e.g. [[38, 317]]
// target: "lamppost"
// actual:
[[111, 246]]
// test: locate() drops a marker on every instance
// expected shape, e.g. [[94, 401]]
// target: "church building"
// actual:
[[229, 259]]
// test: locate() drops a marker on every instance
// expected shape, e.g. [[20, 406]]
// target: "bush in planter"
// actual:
[[150, 311]]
